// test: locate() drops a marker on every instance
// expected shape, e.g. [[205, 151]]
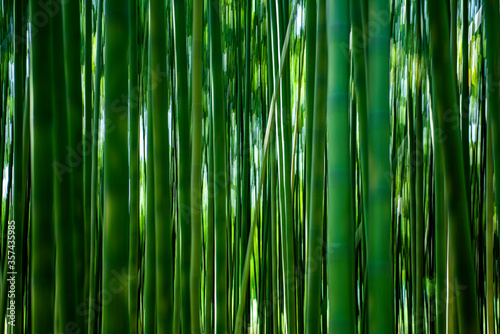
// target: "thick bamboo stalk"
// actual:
[[73, 90], [161, 154], [378, 223], [115, 161], [63, 218], [42, 226], [340, 223]]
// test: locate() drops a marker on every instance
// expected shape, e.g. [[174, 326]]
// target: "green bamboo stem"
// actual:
[[491, 20], [149, 294], [160, 158], [358, 52], [134, 174], [209, 272], [72, 71], [340, 224], [465, 97], [196, 167], [115, 161], [455, 196], [378, 223], [42, 226], [94, 185], [309, 91], [87, 149], [419, 189], [315, 224], [218, 114], [245, 217], [489, 233], [63, 219], [184, 157]]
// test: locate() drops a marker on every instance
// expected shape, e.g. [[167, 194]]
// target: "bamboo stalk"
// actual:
[[134, 171], [196, 167], [340, 224], [378, 223], [94, 187], [184, 157], [42, 226], [115, 161]]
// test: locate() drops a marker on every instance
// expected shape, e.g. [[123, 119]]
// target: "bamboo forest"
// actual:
[[250, 166]]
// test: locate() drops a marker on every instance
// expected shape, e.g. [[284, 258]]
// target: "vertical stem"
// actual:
[[115, 160], [378, 224], [340, 224], [63, 218], [94, 186], [196, 167], [315, 238], [218, 114], [184, 157], [42, 226], [134, 174]]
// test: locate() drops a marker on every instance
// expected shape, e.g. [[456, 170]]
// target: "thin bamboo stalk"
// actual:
[[219, 131], [134, 174], [196, 167], [94, 186]]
